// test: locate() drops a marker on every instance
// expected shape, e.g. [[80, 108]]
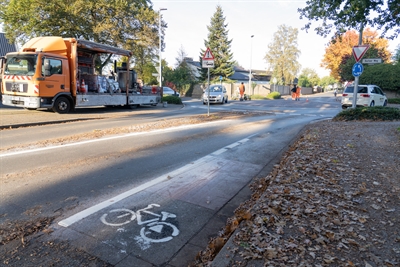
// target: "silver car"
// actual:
[[218, 94], [169, 91], [367, 96]]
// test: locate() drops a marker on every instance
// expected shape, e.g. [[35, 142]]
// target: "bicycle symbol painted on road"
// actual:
[[155, 230]]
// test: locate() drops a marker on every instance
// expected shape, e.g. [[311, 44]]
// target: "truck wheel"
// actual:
[[62, 105]]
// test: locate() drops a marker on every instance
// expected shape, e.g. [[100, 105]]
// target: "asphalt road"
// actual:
[[153, 198]]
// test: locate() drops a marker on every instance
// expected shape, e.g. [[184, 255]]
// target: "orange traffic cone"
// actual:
[[83, 86]]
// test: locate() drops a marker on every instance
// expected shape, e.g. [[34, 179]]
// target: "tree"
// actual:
[[340, 49], [283, 53], [328, 80], [220, 47], [147, 75], [396, 55], [308, 78], [340, 16], [182, 77], [385, 75], [129, 24]]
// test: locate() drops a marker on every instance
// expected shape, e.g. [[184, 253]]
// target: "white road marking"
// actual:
[[3, 155], [89, 211]]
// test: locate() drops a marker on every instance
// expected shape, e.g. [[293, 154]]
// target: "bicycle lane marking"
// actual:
[[204, 160]]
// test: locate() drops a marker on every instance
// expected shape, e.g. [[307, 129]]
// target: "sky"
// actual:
[[188, 20]]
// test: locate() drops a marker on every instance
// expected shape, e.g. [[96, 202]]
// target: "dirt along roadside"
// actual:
[[334, 200]]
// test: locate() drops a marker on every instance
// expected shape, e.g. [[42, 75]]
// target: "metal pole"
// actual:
[[208, 102], [251, 48], [159, 34], [354, 105]]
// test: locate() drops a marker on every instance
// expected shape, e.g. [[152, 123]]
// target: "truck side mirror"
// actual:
[[47, 67]]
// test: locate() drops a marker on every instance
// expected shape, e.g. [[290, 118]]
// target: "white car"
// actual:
[[367, 96], [218, 94], [169, 91]]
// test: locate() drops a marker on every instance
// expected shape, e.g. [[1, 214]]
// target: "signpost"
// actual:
[[358, 52], [372, 61], [357, 69], [208, 62]]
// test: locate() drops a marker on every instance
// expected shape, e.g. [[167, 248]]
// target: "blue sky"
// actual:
[[188, 20]]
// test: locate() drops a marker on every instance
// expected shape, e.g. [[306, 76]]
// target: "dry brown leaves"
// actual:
[[12, 230], [332, 201]]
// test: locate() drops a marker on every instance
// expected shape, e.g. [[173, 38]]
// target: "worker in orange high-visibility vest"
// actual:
[[298, 90]]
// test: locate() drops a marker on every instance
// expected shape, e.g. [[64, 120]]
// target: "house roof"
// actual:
[[5, 46], [240, 74]]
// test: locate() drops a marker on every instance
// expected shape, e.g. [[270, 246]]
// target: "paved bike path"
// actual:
[[170, 221]]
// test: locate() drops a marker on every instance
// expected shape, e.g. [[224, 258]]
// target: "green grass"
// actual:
[[258, 97], [274, 95], [369, 114], [172, 99], [394, 100]]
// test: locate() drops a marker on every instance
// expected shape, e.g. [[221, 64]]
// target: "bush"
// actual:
[[369, 114], [172, 99], [274, 95], [394, 100], [258, 97]]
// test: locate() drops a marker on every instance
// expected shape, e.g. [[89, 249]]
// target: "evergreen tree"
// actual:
[[220, 47]]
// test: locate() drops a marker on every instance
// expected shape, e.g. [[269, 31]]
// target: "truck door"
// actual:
[[54, 75]]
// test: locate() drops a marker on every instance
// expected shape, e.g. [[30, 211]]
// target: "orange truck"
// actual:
[[59, 74]]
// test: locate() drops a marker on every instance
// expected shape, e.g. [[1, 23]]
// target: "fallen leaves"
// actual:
[[324, 204]]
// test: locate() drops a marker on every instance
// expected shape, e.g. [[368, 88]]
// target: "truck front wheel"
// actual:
[[62, 105]]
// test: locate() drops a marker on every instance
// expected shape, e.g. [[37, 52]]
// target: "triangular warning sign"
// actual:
[[208, 55], [359, 51]]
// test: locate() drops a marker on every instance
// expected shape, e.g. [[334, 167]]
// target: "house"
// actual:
[[240, 74], [194, 66], [260, 79], [5, 46]]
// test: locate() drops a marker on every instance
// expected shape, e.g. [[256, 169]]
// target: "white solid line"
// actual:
[[105, 139], [89, 211], [219, 151], [83, 214]]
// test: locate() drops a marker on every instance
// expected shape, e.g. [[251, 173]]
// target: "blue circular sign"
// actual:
[[357, 69]]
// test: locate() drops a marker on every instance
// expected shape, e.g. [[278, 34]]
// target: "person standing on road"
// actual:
[[335, 94], [298, 90], [242, 89], [293, 92]]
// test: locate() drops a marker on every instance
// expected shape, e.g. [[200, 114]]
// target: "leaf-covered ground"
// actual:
[[334, 200]]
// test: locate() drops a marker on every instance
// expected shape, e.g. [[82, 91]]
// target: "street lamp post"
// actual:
[[251, 48], [159, 34]]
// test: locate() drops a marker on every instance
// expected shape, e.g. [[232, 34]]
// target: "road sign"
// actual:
[[208, 63], [155, 74], [208, 55], [371, 61], [357, 69], [359, 51]]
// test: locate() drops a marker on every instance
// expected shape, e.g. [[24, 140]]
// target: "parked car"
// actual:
[[218, 94], [169, 91], [367, 96]]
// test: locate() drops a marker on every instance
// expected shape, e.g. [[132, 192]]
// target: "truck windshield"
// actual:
[[21, 65]]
